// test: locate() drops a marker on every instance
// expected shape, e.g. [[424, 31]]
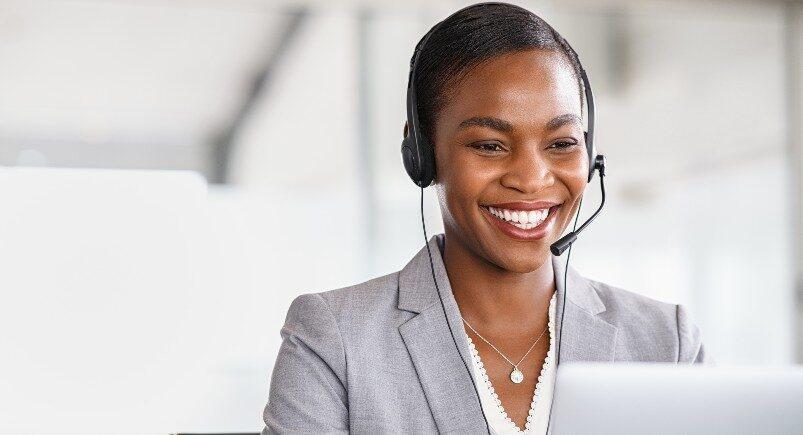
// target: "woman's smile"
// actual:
[[522, 220]]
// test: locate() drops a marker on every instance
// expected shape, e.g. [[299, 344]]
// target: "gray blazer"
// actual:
[[378, 357]]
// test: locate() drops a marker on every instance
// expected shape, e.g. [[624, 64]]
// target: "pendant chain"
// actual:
[[516, 365]]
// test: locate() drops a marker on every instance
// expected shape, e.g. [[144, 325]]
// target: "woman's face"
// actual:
[[509, 147]]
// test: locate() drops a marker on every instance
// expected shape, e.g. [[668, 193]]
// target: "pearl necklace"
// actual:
[[516, 376]]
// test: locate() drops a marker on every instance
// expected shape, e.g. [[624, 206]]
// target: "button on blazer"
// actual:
[[378, 357]]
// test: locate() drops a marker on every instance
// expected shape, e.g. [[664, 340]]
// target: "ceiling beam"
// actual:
[[223, 142]]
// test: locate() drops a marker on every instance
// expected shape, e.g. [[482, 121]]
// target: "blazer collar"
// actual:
[[445, 369]]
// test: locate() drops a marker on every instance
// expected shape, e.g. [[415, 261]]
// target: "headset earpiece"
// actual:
[[410, 161], [417, 157], [409, 155]]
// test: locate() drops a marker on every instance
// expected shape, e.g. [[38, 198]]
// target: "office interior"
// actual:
[[174, 172]]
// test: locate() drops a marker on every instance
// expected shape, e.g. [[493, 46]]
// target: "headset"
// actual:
[[419, 161]]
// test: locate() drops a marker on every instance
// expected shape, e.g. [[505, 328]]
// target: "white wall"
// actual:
[[134, 302]]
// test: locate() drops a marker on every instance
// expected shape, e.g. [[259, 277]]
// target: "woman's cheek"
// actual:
[[460, 197]]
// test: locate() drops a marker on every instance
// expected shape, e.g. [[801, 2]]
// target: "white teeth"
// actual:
[[520, 218]]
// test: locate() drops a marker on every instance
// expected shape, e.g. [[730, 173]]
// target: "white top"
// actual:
[[495, 413]]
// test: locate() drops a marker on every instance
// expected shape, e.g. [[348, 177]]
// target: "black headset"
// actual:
[[419, 161]]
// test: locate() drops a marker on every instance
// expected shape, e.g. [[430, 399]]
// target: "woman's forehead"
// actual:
[[531, 85]]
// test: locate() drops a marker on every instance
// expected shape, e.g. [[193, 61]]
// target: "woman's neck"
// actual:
[[493, 297]]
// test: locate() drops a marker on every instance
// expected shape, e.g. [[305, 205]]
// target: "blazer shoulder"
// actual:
[[628, 306], [375, 298], [321, 319], [366, 292], [649, 324]]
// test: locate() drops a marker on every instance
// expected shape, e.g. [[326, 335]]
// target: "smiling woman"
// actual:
[[498, 94]]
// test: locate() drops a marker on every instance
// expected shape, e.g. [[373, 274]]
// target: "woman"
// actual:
[[499, 95]]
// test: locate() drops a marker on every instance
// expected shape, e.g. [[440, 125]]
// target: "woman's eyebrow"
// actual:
[[487, 121], [506, 127], [560, 121]]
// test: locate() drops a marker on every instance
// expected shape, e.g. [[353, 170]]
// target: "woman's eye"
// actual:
[[487, 147], [563, 145]]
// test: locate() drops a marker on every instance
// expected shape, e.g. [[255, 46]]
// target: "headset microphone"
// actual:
[[564, 242]]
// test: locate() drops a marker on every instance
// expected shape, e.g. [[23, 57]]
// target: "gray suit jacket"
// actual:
[[378, 357]]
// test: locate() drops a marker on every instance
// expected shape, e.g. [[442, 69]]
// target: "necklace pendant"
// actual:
[[516, 375]]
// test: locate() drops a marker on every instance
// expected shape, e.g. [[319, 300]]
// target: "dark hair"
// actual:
[[471, 37]]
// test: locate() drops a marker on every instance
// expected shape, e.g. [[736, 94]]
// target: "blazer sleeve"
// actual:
[[308, 390], [691, 348]]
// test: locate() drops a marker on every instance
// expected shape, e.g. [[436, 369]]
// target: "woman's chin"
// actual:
[[523, 263]]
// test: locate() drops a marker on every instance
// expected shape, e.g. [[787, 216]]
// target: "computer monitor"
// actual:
[[674, 399]]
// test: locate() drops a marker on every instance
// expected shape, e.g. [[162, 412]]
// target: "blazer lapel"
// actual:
[[444, 370], [585, 336]]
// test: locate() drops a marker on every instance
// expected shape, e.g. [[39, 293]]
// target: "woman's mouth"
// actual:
[[519, 223]]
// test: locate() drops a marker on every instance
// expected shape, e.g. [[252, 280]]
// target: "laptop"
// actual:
[[656, 398]]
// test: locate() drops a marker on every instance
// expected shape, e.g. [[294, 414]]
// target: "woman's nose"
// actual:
[[527, 172]]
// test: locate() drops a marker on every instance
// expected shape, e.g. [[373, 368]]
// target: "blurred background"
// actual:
[[174, 172]]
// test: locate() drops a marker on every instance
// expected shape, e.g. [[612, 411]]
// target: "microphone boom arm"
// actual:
[[564, 242]]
